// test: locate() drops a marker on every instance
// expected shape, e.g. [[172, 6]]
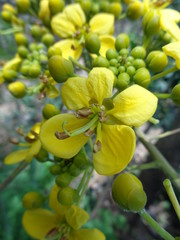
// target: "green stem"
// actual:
[[163, 95], [159, 159], [122, 16], [154, 120], [14, 173], [35, 89], [155, 226], [146, 41], [79, 65], [83, 179], [162, 74], [172, 196], [144, 166], [10, 31], [166, 134]]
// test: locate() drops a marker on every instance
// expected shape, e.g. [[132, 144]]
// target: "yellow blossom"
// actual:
[[95, 112]]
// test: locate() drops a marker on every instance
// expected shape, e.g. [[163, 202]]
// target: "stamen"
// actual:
[[97, 147], [61, 135], [83, 113], [30, 140]]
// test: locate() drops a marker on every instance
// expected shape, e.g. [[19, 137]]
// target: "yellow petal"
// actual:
[[168, 20], [100, 84], [58, 208], [118, 145], [52, 91], [33, 150], [134, 106], [13, 64], [173, 50], [70, 48], [107, 41], [16, 156], [75, 94], [75, 14], [88, 234], [61, 26], [68, 147], [102, 24], [38, 222]]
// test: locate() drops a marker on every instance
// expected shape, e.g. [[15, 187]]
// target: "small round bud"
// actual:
[[9, 74], [115, 8], [138, 52], [43, 59], [36, 31], [123, 81], [21, 39], [95, 8], [42, 155], [100, 62], [139, 63], [32, 200], [24, 70], [114, 70], [23, 51], [17, 89], [10, 8], [175, 95], [67, 196], [54, 51], [6, 16], [121, 69], [60, 68], [151, 22], [48, 39], [104, 6], [122, 41], [64, 179], [23, 5], [49, 111], [128, 193], [33, 47], [130, 59], [135, 10], [157, 61], [34, 70], [111, 53], [113, 62], [55, 169], [56, 6], [80, 160], [74, 170], [124, 52], [130, 71], [86, 5], [92, 43], [142, 77]]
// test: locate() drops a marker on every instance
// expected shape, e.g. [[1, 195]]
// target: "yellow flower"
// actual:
[[95, 112], [32, 145], [62, 222], [71, 24]]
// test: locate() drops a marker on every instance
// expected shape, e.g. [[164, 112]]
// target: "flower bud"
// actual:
[[56, 6], [67, 196], [10, 8], [49, 111], [86, 6], [1, 77], [48, 39], [54, 50], [32, 200], [60, 68], [123, 81], [130, 71], [151, 22], [23, 51], [36, 31], [55, 170], [34, 70], [6, 16], [74, 170], [21, 39], [23, 5], [135, 10], [175, 95], [122, 41], [92, 43], [63, 180], [9, 74], [138, 52], [157, 61], [124, 52], [80, 160], [100, 62], [114, 70], [115, 8], [104, 6], [142, 77], [139, 63], [95, 8], [111, 53], [128, 193], [17, 89], [42, 156]]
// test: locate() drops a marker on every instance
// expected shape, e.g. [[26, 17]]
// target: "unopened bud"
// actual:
[[142, 77], [92, 43], [67, 196], [17, 89], [151, 22], [32, 200], [135, 10], [157, 61], [175, 95]]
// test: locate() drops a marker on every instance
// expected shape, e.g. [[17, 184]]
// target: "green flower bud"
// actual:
[[80, 160], [104, 6], [92, 43], [113, 62], [130, 71], [21, 39], [33, 47], [128, 193], [74, 170], [151, 22], [42, 155], [138, 52], [142, 77], [111, 53], [34, 70], [95, 8], [23, 51], [157, 61], [86, 6], [54, 51], [56, 6], [124, 52], [123, 81], [24, 70], [23, 5], [175, 95], [64, 179], [32, 200], [114, 70], [121, 69], [48, 39], [9, 74], [100, 62], [139, 63], [17, 89], [130, 59], [6, 16], [43, 59], [55, 169], [135, 10], [36, 31], [122, 41], [67, 196], [60, 68], [49, 111], [115, 8]]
